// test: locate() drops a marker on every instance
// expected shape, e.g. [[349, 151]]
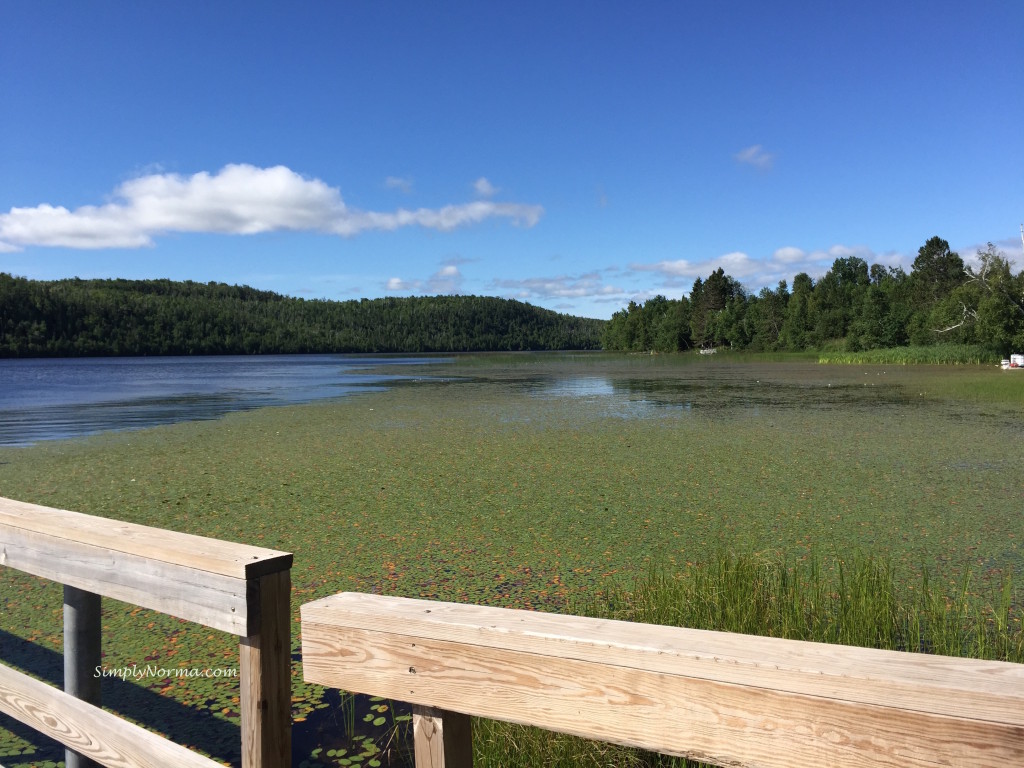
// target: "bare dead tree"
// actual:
[[969, 315], [993, 275]]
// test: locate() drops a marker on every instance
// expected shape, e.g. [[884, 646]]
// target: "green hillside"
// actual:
[[164, 317]]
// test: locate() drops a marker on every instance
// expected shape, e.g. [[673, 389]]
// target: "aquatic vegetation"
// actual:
[[509, 484], [936, 354]]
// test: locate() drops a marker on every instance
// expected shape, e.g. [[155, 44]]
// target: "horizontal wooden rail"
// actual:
[[718, 697], [75, 724], [237, 588], [204, 580]]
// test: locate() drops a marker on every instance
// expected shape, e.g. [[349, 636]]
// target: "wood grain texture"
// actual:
[[265, 678], [204, 580], [955, 686], [718, 697], [212, 599], [233, 587], [441, 739], [88, 730], [240, 561]]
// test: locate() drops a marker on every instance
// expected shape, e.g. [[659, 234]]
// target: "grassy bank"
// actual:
[[516, 484], [936, 354], [858, 602]]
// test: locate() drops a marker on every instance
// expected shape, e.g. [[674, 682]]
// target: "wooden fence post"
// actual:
[[265, 672], [441, 739], [81, 656]]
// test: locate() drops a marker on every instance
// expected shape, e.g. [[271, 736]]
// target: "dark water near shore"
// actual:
[[54, 399]]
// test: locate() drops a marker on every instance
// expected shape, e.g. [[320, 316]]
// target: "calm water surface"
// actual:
[[55, 399], [63, 398]]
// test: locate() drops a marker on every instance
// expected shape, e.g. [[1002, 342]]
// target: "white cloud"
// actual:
[[755, 156], [1011, 248], [484, 188], [238, 200], [846, 251], [788, 255], [562, 286], [399, 183], [446, 281], [784, 264], [820, 261], [737, 264], [444, 219]]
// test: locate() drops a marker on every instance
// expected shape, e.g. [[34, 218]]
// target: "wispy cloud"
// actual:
[[399, 183], [737, 264], [755, 156], [588, 285], [484, 188], [237, 200], [1010, 247], [446, 281], [783, 264], [398, 284]]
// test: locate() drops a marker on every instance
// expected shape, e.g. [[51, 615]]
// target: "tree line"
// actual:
[[69, 318], [854, 307]]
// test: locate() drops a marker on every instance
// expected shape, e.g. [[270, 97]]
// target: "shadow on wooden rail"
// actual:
[[233, 587], [718, 697]]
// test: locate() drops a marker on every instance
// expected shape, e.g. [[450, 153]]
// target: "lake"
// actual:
[[532, 480], [54, 399]]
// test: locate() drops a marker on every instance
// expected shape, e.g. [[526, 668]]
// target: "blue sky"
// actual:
[[573, 155]]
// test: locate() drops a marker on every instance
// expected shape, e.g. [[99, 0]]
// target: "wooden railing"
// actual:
[[722, 698], [236, 588], [717, 697]]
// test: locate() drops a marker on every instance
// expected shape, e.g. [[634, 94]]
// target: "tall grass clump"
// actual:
[[854, 602], [936, 354]]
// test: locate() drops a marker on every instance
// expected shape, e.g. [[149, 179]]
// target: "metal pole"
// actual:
[[81, 656]]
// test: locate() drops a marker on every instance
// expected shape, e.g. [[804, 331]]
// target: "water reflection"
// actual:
[[577, 386], [58, 399], [705, 390], [55, 399]]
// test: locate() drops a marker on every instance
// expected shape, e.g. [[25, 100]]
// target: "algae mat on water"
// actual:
[[528, 482]]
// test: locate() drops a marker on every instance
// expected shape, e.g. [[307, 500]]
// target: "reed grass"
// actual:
[[855, 602], [938, 354]]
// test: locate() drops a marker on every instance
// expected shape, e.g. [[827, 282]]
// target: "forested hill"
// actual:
[[163, 317]]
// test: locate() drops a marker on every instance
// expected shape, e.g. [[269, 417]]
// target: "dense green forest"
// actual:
[[853, 307], [163, 317]]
